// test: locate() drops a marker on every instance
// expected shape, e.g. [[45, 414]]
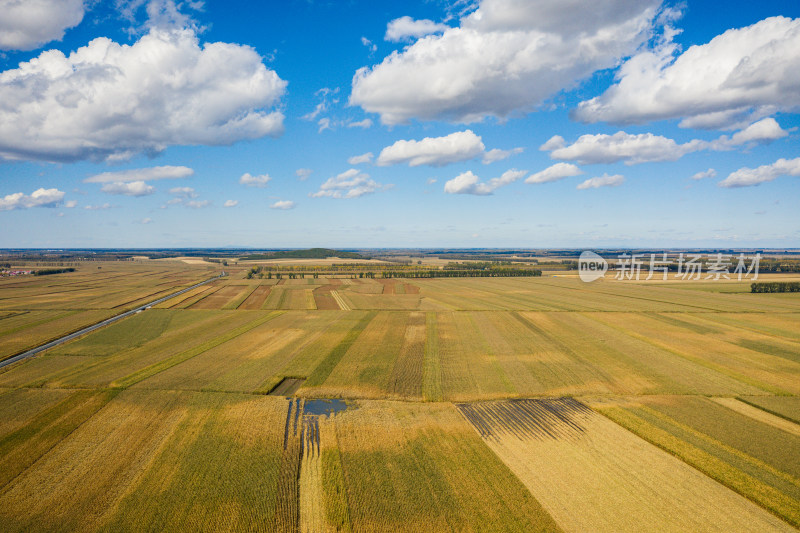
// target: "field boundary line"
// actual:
[[760, 415], [770, 411], [110, 393], [149, 371], [329, 362]]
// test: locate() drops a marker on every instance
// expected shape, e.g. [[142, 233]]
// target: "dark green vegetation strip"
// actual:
[[326, 366], [154, 369], [432, 376]]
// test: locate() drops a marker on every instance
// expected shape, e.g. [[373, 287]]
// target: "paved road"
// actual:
[[66, 338]]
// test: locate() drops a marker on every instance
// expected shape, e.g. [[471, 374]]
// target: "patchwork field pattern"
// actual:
[[603, 407]]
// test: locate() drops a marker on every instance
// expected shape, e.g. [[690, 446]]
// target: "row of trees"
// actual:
[[775, 286], [492, 273]]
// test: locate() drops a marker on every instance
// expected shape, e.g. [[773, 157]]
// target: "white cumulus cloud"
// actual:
[[555, 172], [469, 183], [231, 203], [748, 177], [602, 181], [28, 24], [254, 181], [132, 188], [141, 174], [433, 151], [303, 173], [183, 192], [39, 198], [359, 159], [283, 204], [506, 56], [630, 148], [496, 154], [745, 72], [404, 27], [710, 173], [349, 184], [112, 101]]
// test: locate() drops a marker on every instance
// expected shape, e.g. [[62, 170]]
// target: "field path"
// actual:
[[340, 301]]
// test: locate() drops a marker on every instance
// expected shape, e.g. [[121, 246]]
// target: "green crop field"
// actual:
[[453, 404]]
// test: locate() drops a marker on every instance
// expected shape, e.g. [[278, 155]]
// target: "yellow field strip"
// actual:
[[340, 301], [759, 415], [590, 474]]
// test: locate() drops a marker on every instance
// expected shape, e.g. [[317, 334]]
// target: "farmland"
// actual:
[[486, 404]]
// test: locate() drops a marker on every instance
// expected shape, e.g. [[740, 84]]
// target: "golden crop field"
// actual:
[[338, 404]]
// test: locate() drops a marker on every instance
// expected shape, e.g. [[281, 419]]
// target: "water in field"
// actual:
[[324, 406]]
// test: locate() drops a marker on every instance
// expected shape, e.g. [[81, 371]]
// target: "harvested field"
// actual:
[[755, 459], [257, 298], [587, 472]]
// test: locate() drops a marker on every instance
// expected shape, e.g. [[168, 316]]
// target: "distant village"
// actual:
[[10, 273]]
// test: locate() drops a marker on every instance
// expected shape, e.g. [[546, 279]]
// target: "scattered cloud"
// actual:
[[602, 181], [145, 221], [349, 184], [28, 24], [555, 172], [183, 192], [107, 101], [632, 149], [132, 188], [748, 177], [740, 75], [433, 151], [303, 173], [363, 124], [431, 181], [141, 174], [647, 147], [254, 181], [327, 97], [231, 203], [496, 154], [70, 204], [469, 183], [98, 207], [196, 204], [359, 159], [710, 173], [283, 204], [507, 56], [369, 44], [403, 28], [38, 198]]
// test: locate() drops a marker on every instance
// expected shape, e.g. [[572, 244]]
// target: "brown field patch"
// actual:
[[256, 298]]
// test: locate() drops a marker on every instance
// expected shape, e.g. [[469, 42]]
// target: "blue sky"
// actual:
[[498, 123]]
